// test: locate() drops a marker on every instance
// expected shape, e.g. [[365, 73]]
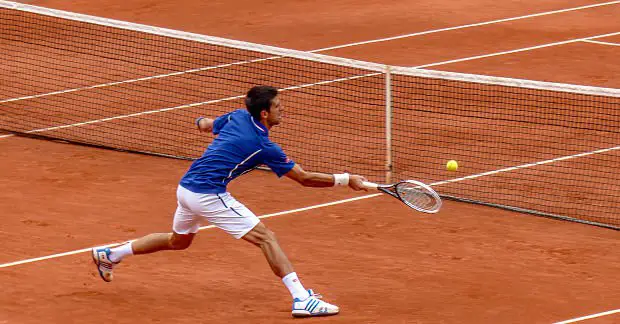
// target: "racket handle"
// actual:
[[370, 185]]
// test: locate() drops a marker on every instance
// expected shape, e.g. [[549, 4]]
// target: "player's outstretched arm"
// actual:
[[315, 179], [205, 125]]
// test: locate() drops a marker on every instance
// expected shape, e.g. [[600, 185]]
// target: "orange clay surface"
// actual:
[[379, 261]]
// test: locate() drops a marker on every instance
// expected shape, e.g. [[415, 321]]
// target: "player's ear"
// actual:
[[264, 114]]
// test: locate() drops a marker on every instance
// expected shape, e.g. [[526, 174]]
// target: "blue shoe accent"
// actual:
[[101, 258], [106, 250], [313, 306], [316, 302], [310, 294]]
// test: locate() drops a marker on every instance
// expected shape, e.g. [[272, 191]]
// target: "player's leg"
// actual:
[[107, 258], [185, 226], [266, 240], [152, 243], [240, 222], [305, 302], [159, 242]]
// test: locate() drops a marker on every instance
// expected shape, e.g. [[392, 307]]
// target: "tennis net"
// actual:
[[535, 147]]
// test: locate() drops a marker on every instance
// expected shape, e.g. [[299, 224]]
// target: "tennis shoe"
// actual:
[[313, 306], [101, 257]]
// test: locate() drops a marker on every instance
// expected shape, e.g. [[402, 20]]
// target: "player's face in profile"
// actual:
[[275, 112]]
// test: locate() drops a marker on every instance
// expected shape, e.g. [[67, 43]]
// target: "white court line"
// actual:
[[95, 121], [466, 26], [312, 51], [563, 158], [583, 39], [373, 195], [528, 165], [159, 76], [601, 43], [308, 85], [8, 135], [301, 86], [58, 255], [589, 317]]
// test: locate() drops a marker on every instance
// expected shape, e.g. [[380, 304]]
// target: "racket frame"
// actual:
[[391, 190]]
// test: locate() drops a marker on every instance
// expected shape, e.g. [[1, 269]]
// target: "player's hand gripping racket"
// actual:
[[414, 194]]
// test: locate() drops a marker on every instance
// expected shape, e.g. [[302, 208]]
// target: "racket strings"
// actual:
[[417, 196]]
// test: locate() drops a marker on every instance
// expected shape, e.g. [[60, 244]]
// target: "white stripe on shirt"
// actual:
[[257, 125], [240, 164]]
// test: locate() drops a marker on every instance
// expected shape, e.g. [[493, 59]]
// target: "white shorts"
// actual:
[[221, 210]]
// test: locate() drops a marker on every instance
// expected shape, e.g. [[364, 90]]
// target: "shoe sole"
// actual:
[[300, 314]]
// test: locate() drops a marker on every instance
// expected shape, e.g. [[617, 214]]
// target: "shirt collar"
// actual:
[[259, 125]]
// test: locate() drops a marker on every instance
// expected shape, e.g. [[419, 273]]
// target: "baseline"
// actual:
[[474, 176], [578, 319]]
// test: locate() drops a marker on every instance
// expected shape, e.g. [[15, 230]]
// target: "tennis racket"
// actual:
[[414, 194]]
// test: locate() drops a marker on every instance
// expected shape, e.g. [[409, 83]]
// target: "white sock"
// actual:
[[294, 286], [118, 253]]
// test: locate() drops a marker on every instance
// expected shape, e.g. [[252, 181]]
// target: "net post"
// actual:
[[388, 124]]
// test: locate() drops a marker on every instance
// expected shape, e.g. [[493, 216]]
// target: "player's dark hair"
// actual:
[[259, 98]]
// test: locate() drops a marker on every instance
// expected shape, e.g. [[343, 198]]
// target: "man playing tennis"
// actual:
[[242, 144]]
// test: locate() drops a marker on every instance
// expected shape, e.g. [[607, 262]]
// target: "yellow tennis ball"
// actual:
[[452, 165]]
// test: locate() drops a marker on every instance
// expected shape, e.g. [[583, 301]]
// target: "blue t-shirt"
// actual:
[[242, 144]]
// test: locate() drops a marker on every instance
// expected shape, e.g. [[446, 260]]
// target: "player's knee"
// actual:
[[270, 237], [267, 237], [260, 235], [179, 244]]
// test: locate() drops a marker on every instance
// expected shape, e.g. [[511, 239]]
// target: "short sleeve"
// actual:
[[219, 122], [277, 161]]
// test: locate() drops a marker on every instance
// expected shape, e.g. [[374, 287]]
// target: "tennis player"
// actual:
[[242, 144]]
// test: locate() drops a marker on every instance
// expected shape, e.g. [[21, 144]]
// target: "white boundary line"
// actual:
[[293, 211], [447, 75], [474, 176], [250, 46], [159, 76], [589, 317], [583, 39], [95, 121], [601, 43], [304, 55], [412, 71], [466, 26], [357, 44], [529, 165]]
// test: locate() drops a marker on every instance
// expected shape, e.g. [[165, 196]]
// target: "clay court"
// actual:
[[378, 260]]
